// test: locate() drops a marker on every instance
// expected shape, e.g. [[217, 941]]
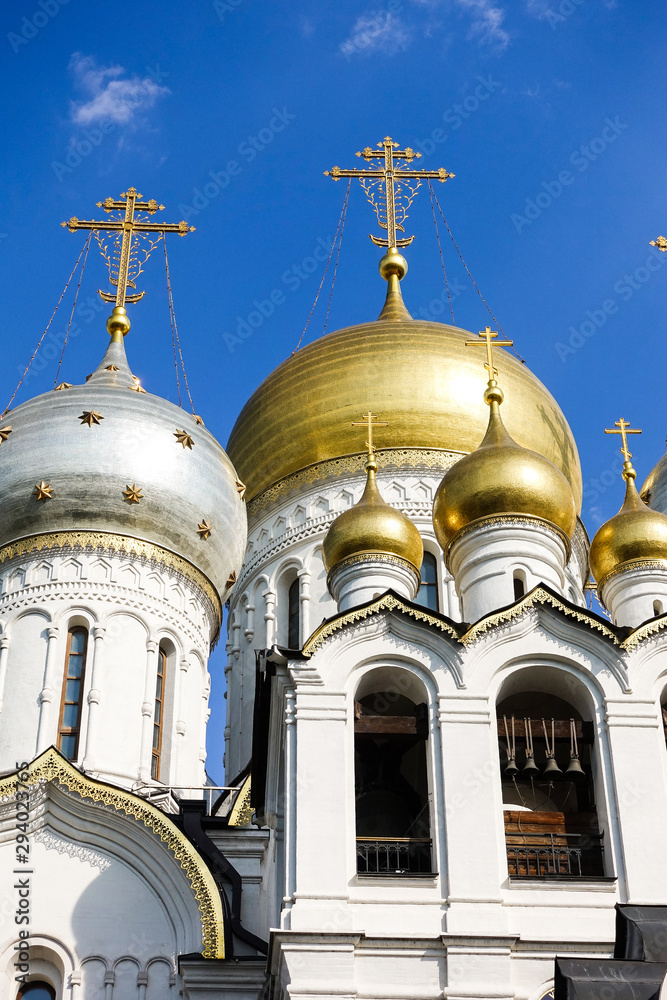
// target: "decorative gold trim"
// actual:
[[630, 565], [108, 542], [509, 518], [645, 631], [429, 458], [51, 766], [133, 493], [242, 811], [374, 557], [43, 491], [385, 603], [531, 600]]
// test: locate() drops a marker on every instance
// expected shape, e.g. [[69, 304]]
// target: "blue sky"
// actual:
[[549, 112]]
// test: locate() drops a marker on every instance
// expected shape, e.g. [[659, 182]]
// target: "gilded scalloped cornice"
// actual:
[[360, 558], [520, 520], [645, 631], [389, 458], [242, 811], [52, 767], [531, 600], [106, 541], [630, 565], [385, 603]]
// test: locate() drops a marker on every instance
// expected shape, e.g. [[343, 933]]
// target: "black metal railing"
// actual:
[[394, 856], [544, 855]]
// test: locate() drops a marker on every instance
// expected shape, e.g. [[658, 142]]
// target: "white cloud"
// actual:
[[487, 22], [376, 31], [112, 96]]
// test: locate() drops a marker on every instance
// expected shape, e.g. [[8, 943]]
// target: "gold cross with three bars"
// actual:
[[489, 341], [623, 428], [128, 225], [392, 176], [370, 421]]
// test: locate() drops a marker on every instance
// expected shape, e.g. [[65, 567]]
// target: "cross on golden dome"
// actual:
[[370, 421], [660, 243], [623, 428], [489, 341], [391, 206], [124, 259]]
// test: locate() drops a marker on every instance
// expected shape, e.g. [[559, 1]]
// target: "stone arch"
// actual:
[[51, 962]]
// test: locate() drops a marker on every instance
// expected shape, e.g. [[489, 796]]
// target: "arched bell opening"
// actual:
[[546, 758], [393, 826]]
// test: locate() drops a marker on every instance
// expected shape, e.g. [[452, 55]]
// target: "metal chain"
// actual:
[[39, 342], [522, 360], [71, 315], [335, 270], [338, 227], [442, 259], [174, 330]]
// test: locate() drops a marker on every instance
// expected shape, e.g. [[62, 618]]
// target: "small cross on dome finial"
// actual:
[[623, 428], [370, 421]]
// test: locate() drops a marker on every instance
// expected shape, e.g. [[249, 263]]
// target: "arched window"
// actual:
[[391, 784], [657, 609], [37, 991], [293, 616], [551, 824], [72, 695], [158, 714], [519, 584], [427, 595]]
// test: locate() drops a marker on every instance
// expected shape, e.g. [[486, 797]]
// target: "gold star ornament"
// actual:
[[90, 417], [63, 385], [231, 579], [112, 368], [184, 438], [133, 494], [198, 419], [137, 387], [43, 491], [204, 530], [241, 488], [5, 432]]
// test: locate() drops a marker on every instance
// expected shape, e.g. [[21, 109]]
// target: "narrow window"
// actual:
[[427, 595], [293, 618], [72, 697], [37, 991], [158, 713], [519, 584], [657, 608]]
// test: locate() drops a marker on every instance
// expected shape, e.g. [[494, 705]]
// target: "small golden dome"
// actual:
[[501, 478], [635, 535], [372, 526]]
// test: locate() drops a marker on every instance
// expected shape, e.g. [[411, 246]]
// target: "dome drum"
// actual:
[[363, 577]]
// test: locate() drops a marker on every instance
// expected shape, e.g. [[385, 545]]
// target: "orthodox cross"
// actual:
[[370, 421], [397, 187], [488, 335], [124, 264], [623, 428]]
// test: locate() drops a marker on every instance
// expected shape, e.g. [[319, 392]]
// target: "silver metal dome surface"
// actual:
[[654, 490], [89, 466]]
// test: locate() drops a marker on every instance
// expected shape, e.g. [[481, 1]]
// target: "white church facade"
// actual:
[[447, 775]]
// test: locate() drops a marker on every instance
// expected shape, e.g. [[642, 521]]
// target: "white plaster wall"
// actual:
[[24, 679]]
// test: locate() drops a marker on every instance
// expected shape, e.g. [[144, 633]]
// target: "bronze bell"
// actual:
[[530, 768], [552, 771], [511, 770], [575, 771]]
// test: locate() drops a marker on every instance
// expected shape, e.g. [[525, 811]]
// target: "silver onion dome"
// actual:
[[107, 456], [654, 490]]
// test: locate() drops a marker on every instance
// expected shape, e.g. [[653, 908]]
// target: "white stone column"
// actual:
[[270, 616], [304, 604], [290, 807], [636, 746], [630, 595], [475, 835], [148, 710], [142, 983], [46, 733], [89, 763], [180, 726], [483, 560], [4, 656], [249, 631]]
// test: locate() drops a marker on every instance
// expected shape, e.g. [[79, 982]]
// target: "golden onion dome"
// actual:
[[372, 527], [501, 478], [417, 373], [636, 535]]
